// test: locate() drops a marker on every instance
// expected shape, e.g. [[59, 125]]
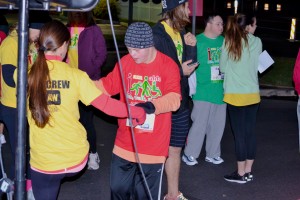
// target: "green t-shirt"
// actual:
[[209, 79]]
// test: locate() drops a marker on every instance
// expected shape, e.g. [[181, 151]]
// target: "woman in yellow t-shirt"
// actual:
[[58, 144]]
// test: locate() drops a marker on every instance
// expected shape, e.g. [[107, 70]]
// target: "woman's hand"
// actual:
[[190, 39]]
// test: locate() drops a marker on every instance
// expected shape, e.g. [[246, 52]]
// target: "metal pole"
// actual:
[[21, 101], [130, 12], [242, 6], [214, 6], [194, 17]]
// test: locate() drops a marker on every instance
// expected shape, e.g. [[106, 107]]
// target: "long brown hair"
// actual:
[[52, 36], [177, 17], [88, 18], [236, 34]]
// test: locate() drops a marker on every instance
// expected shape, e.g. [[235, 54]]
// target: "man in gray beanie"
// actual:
[[156, 88]]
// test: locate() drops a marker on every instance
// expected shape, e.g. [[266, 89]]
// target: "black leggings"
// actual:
[[86, 119], [46, 186], [243, 121]]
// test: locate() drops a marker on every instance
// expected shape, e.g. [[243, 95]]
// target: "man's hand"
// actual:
[[188, 67], [190, 39]]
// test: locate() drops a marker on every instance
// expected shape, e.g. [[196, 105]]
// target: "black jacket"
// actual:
[[164, 43]]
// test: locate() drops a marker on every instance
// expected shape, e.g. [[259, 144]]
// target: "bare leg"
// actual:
[[248, 166], [1, 128], [241, 167], [2, 137], [172, 168], [244, 166]]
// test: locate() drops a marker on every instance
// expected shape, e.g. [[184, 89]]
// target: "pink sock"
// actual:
[[28, 184]]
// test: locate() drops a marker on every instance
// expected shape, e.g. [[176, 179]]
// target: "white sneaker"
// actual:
[[2, 139], [93, 163], [216, 160], [30, 195], [189, 160]]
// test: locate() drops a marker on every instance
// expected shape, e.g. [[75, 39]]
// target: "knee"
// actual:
[[116, 187], [174, 151]]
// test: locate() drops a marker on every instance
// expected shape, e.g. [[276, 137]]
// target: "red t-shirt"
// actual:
[[296, 74], [144, 82], [2, 36]]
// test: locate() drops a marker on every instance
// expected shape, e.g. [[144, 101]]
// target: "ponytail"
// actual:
[[235, 35], [52, 36], [37, 85]]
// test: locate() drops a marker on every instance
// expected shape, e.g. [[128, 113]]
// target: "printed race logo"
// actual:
[[53, 97]]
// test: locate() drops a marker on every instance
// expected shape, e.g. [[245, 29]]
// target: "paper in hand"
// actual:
[[264, 61]]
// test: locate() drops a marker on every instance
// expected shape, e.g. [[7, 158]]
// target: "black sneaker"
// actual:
[[236, 178], [249, 176]]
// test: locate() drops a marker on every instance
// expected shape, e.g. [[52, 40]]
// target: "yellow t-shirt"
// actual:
[[62, 142], [176, 39], [32, 54], [73, 47], [242, 99], [8, 60]]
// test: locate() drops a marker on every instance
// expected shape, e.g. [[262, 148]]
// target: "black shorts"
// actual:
[[180, 128]]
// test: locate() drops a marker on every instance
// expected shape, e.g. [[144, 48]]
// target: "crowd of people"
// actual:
[[160, 123]]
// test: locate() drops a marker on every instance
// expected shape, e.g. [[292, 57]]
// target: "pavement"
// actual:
[[276, 92], [276, 168]]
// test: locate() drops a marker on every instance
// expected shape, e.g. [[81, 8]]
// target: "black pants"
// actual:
[[86, 119], [46, 186], [126, 181], [243, 121], [9, 118]]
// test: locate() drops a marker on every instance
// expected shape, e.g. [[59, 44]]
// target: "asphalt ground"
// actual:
[[276, 168]]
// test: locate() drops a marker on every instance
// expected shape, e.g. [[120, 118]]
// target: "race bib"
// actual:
[[216, 75], [148, 124]]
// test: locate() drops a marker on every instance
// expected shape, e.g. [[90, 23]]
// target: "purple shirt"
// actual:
[[91, 51]]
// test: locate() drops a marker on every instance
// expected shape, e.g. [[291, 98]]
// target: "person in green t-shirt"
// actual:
[[209, 111]]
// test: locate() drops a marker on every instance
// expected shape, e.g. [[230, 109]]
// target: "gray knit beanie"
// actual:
[[139, 35]]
